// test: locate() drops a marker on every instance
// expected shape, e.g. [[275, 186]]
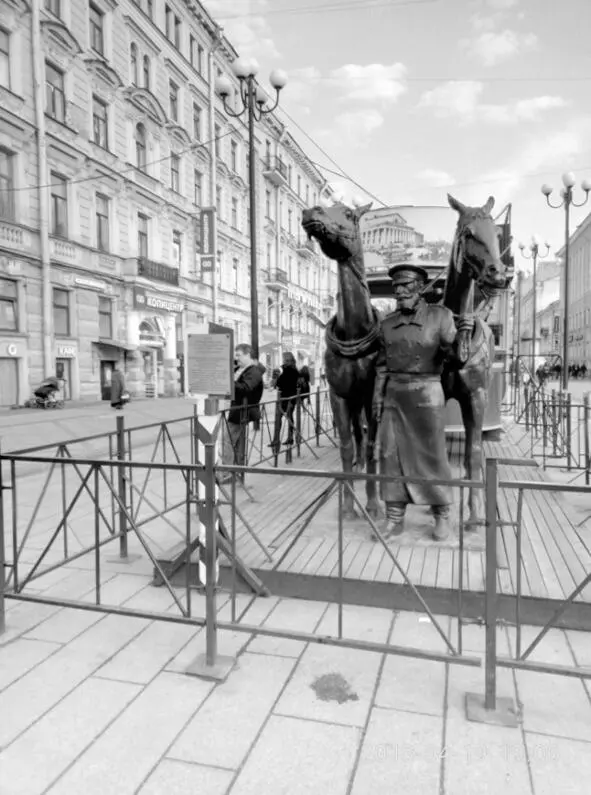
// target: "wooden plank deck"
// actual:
[[556, 555]]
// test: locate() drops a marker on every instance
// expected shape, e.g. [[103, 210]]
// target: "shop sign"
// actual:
[[11, 349], [145, 300], [66, 351], [208, 231]]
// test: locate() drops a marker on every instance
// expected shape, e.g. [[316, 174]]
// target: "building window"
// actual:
[[173, 96], [235, 212], [59, 205], [175, 170], [198, 188], [140, 147], [97, 21], [234, 156], [268, 256], [217, 135], [105, 318], [133, 62], [142, 235], [150, 8], [61, 312], [54, 7], [268, 203], [177, 248], [299, 185], [289, 220], [235, 272], [196, 122], [173, 26], [201, 60], [192, 50], [99, 123], [102, 222], [55, 98], [146, 72], [169, 21], [4, 58], [8, 305], [218, 201], [6, 185]]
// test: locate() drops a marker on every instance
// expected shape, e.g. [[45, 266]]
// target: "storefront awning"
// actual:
[[122, 346]]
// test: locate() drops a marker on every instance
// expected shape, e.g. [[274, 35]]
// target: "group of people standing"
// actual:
[[248, 391]]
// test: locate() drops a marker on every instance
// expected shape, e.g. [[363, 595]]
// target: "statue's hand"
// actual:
[[465, 323]]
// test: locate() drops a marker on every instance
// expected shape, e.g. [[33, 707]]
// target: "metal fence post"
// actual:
[[569, 431], [491, 709], [121, 488], [211, 665], [2, 550], [586, 438], [318, 424], [298, 423]]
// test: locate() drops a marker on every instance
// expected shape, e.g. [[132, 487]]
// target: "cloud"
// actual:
[[501, 5], [371, 83], [246, 27], [461, 99], [492, 47], [436, 178], [354, 128]]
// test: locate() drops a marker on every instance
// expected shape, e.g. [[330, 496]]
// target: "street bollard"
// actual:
[[298, 423]]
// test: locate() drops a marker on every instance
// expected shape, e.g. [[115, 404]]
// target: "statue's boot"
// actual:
[[394, 525], [442, 529]]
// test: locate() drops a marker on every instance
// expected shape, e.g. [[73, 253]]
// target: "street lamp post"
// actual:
[[534, 255], [253, 100], [569, 181]]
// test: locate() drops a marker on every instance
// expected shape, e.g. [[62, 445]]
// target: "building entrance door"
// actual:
[[106, 373], [63, 372], [8, 382]]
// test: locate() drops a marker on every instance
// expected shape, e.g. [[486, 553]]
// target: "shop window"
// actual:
[[97, 33], [100, 123], [8, 305], [59, 205], [105, 318], [61, 312], [63, 372], [55, 97], [7, 161]]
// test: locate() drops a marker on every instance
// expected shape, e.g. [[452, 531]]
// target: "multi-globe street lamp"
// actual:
[[534, 255], [253, 101], [569, 182]]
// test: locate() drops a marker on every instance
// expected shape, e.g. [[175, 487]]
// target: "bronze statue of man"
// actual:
[[409, 401]]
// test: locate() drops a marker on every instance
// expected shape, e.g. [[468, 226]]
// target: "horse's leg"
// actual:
[[472, 404], [373, 505], [342, 418]]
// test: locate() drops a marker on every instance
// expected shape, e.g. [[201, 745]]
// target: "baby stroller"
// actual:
[[46, 395]]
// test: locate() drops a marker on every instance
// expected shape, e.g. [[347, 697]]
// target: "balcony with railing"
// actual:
[[276, 278], [275, 170], [157, 271]]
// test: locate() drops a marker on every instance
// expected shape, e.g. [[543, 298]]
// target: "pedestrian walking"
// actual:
[[119, 395]]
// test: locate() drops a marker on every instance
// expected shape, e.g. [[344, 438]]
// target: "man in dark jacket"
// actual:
[[287, 386], [248, 390], [117, 388]]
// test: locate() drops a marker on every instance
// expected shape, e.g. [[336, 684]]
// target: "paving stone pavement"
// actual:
[[101, 704]]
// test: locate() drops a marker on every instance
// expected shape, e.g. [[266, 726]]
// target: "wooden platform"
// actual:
[[556, 554]]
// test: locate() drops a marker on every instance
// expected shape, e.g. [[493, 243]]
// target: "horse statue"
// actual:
[[475, 261], [352, 341]]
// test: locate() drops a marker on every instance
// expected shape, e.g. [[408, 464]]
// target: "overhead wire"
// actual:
[[354, 5]]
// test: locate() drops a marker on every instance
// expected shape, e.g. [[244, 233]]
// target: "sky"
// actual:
[[413, 99]]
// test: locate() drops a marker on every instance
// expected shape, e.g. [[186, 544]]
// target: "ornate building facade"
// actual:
[[579, 314], [112, 142]]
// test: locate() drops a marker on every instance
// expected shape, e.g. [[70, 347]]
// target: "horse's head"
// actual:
[[477, 238], [336, 229]]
